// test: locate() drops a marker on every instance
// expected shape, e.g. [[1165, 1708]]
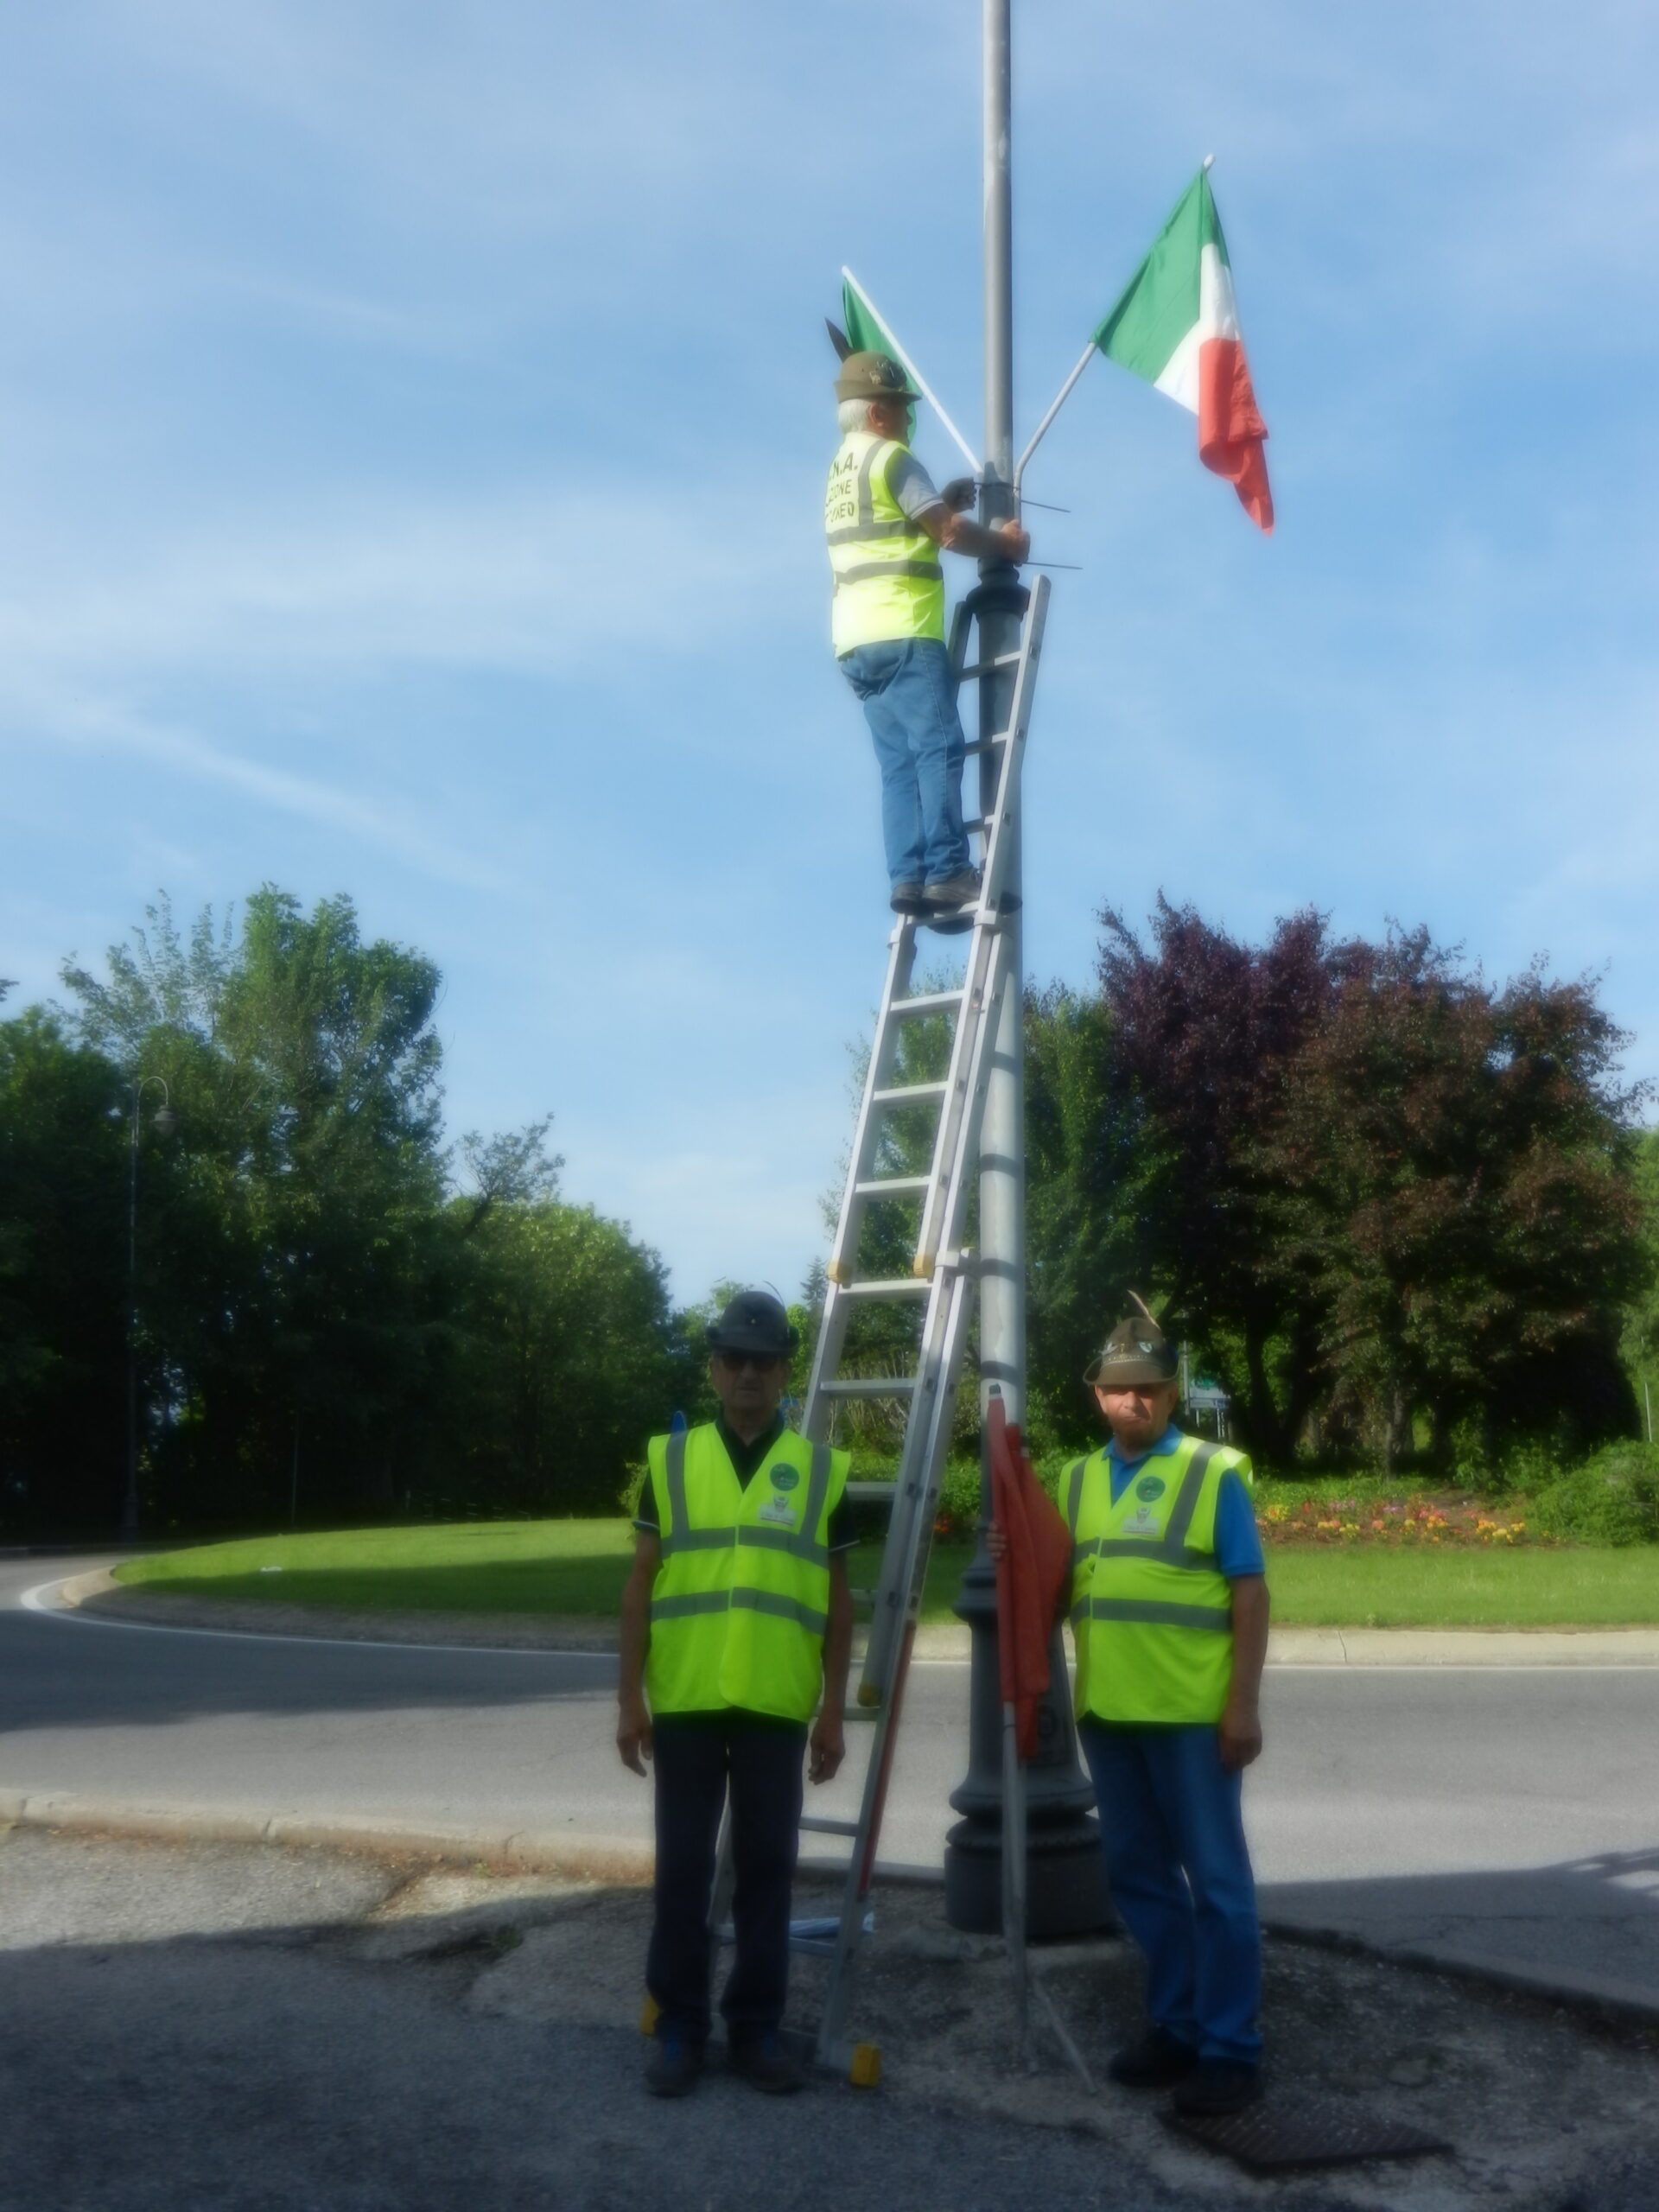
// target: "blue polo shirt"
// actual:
[[1238, 1547]]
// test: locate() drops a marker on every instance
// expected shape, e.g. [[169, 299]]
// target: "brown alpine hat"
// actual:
[[872, 376], [1136, 1355]]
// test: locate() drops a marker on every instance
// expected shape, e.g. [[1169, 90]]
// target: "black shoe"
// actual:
[[1218, 2086], [1154, 2062], [765, 2063], [907, 898], [673, 2067]]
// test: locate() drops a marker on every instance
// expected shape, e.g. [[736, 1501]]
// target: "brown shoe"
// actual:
[[958, 890]]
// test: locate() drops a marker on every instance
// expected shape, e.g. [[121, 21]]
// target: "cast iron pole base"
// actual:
[[1066, 1882]]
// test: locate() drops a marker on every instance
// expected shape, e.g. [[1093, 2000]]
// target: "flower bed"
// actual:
[[1414, 1518]]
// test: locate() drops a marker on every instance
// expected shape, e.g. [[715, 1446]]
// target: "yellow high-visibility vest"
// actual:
[[1150, 1611], [741, 1598], [889, 581]]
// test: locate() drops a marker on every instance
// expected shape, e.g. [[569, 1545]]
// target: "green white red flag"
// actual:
[[1177, 326]]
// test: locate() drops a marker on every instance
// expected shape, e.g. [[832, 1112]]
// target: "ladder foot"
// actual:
[[864, 2069]]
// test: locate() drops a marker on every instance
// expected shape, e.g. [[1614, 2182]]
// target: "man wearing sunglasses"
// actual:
[[736, 1627]]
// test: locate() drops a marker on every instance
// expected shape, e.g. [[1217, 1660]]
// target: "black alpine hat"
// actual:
[[755, 1321], [1136, 1355]]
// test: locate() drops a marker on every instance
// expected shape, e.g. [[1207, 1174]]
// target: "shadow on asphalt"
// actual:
[[489, 2057], [57, 1673], [575, 1582], [1591, 1924]]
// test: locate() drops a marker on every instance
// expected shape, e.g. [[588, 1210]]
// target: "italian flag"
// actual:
[[1177, 326]]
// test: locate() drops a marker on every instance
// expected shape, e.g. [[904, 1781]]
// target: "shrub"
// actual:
[[1612, 1498]]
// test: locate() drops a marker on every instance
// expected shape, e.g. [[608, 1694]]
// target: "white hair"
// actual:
[[853, 415]]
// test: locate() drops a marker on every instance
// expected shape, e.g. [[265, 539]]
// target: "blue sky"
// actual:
[[412, 428]]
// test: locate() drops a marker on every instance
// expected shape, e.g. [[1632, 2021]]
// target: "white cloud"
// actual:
[[538, 580]]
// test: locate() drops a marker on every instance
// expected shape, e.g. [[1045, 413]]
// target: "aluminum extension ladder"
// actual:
[[940, 1277]]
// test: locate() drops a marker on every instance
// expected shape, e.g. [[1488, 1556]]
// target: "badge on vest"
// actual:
[[1143, 1522], [779, 1511]]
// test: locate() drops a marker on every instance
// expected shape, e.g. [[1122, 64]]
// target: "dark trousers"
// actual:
[[696, 1758]]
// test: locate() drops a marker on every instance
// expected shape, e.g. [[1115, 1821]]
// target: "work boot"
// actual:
[[958, 890], [907, 898], [1154, 2062], [674, 2065], [1215, 2086], [764, 2062]]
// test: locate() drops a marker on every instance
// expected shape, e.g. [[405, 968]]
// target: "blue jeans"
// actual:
[[910, 703], [1180, 1875]]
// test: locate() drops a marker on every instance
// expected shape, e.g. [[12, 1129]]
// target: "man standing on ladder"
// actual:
[[886, 525], [1169, 1610], [736, 1614]]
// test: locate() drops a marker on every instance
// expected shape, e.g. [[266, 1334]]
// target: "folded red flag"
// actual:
[[1030, 1577]]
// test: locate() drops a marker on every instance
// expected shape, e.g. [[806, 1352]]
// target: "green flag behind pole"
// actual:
[[866, 332]]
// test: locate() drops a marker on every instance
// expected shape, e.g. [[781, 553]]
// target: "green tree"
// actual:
[[1449, 1171], [566, 1358], [295, 1242], [1639, 1343], [63, 1157], [1093, 1157]]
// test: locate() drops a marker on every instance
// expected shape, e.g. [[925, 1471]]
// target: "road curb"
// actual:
[[620, 1863], [95, 1595], [1560, 1985], [612, 1859]]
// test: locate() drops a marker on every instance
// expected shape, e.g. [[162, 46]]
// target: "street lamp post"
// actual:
[[1067, 1892], [164, 1121]]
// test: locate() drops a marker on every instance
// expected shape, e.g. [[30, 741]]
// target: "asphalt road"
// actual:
[[1386, 1799], [196, 2027]]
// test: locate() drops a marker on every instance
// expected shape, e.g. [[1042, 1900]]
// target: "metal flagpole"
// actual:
[[1067, 1893]]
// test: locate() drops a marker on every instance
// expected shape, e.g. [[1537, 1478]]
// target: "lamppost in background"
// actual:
[[163, 1121]]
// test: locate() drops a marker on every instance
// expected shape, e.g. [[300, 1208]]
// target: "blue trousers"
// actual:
[[910, 703], [1180, 1872], [696, 1758]]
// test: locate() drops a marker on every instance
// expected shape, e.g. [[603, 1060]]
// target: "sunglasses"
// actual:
[[758, 1360]]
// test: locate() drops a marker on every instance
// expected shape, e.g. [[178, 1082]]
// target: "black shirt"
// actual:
[[746, 1459]]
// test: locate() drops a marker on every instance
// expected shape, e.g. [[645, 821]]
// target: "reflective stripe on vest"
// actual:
[[1151, 1614], [739, 1604], [900, 595]]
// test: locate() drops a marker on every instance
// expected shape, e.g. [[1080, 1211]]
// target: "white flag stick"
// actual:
[[913, 372], [1059, 400]]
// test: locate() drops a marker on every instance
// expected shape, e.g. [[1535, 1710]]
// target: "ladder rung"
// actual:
[[869, 1386], [860, 1713], [925, 1002], [997, 660], [823, 1824], [885, 1287], [893, 1186], [907, 1094], [869, 1493]]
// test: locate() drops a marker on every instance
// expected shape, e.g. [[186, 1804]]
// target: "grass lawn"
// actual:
[[492, 1567], [578, 1567]]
